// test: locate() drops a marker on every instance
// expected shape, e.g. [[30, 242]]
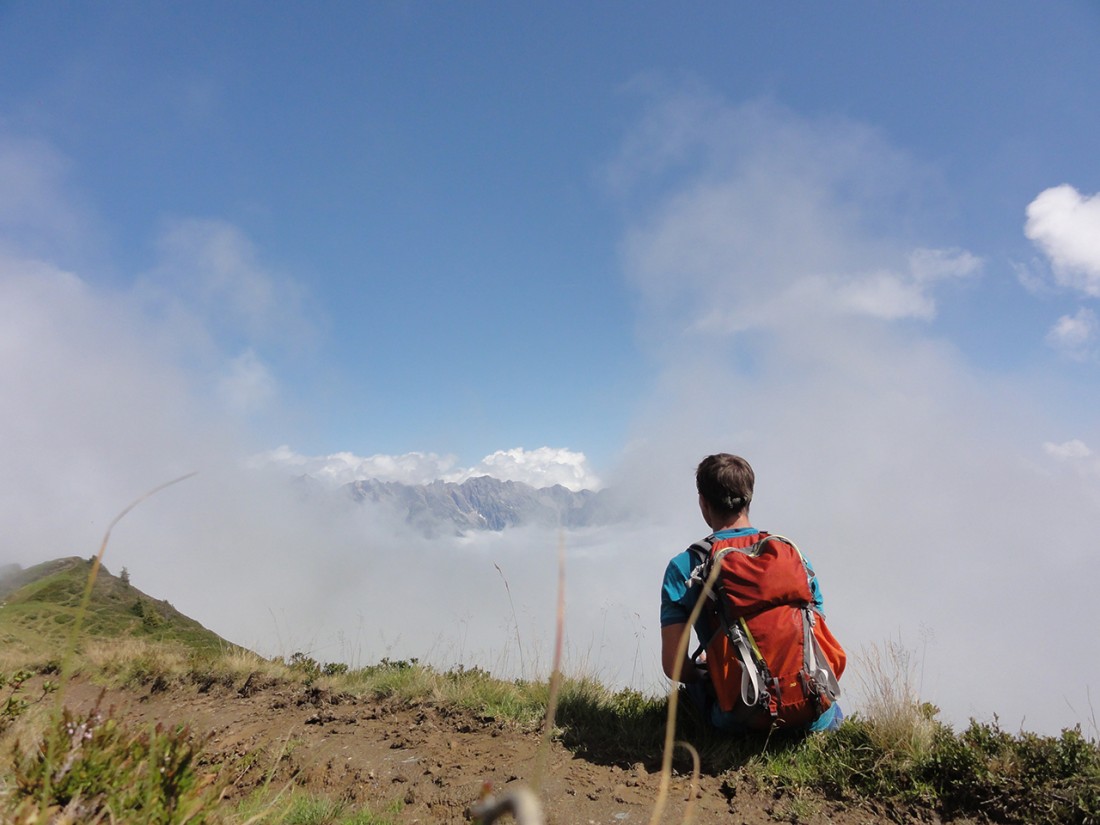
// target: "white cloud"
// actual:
[[890, 296], [1067, 450], [211, 270], [346, 467], [1065, 225], [248, 557], [1033, 276], [247, 385], [928, 265], [1076, 457], [108, 392], [1075, 335], [39, 215], [777, 222], [93, 410], [884, 296], [541, 467]]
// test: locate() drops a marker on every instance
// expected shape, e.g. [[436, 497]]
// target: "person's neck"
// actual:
[[739, 523]]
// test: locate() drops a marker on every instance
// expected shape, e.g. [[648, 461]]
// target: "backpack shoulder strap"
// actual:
[[758, 545], [701, 548], [700, 558], [755, 547]]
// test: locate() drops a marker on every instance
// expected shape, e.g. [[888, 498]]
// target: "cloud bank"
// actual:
[[541, 467]]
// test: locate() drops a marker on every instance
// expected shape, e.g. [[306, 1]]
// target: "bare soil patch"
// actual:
[[434, 761]]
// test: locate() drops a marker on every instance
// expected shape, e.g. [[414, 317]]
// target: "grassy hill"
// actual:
[[39, 605]]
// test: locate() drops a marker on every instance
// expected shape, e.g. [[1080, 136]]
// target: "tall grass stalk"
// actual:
[[897, 720], [51, 754], [515, 622], [74, 633], [555, 674]]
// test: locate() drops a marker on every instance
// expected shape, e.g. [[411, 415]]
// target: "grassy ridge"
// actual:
[[39, 605]]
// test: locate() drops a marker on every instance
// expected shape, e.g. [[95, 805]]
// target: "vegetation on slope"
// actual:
[[898, 761], [39, 605]]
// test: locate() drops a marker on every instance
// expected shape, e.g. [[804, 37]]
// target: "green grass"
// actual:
[[39, 605], [302, 808], [983, 771]]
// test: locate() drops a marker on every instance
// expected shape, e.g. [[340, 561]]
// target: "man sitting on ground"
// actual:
[[725, 486]]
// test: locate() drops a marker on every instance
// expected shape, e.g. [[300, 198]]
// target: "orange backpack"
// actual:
[[772, 658]]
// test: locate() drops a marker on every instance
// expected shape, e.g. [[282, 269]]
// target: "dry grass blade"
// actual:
[[96, 562], [693, 789], [520, 802], [515, 622], [555, 674], [674, 695], [897, 721]]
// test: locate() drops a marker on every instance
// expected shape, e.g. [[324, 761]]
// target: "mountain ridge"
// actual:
[[484, 503]]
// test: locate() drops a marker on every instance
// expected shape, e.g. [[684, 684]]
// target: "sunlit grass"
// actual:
[[898, 721], [300, 807]]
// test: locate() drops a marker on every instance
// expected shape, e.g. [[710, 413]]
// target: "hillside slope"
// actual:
[[39, 605]]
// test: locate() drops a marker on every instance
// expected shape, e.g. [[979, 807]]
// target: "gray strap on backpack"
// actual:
[[700, 550], [815, 664], [751, 687]]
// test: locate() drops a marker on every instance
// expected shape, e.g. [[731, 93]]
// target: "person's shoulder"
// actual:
[[681, 561], [691, 555]]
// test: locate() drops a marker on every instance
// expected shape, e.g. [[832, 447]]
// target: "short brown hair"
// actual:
[[725, 481]]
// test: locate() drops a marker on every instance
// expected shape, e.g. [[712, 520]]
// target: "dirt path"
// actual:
[[434, 761]]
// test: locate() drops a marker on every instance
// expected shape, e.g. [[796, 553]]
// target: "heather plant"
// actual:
[[15, 703], [18, 700], [96, 768], [983, 771]]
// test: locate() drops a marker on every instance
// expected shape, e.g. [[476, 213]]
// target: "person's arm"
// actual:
[[670, 643]]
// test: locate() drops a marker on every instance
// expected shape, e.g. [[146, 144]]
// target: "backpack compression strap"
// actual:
[[815, 665]]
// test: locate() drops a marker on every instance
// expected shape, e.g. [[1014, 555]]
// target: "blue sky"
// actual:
[[858, 242], [427, 173]]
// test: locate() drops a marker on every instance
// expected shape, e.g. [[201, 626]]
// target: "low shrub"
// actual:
[[94, 767], [983, 771]]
